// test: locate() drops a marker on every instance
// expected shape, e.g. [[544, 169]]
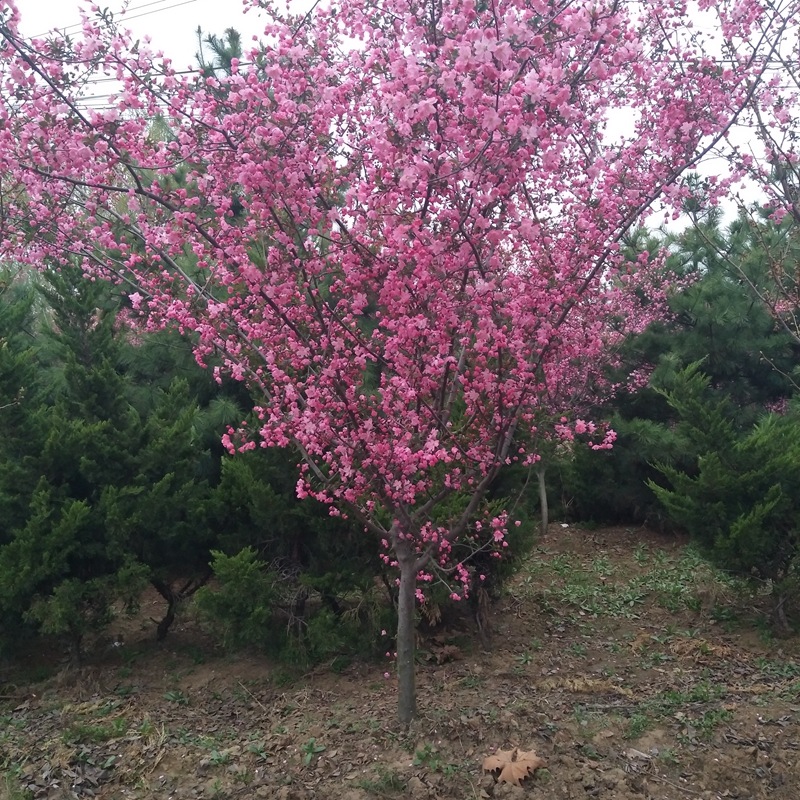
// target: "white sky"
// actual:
[[171, 24]]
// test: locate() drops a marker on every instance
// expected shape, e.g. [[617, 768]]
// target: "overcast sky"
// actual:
[[171, 24]]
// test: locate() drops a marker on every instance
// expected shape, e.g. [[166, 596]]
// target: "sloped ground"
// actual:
[[632, 669]]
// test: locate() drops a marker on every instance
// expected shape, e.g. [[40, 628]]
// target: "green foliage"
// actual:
[[511, 492], [741, 502], [112, 473], [103, 478], [18, 353], [716, 318], [222, 50], [327, 554], [720, 316], [240, 605], [250, 606], [610, 485], [61, 566], [311, 749]]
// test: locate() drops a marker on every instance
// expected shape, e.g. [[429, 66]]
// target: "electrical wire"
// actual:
[[125, 17], [123, 14]]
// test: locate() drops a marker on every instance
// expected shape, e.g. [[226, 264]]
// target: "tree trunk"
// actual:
[[166, 622], [483, 615], [174, 599], [406, 633], [540, 472], [165, 590], [75, 649], [779, 619]]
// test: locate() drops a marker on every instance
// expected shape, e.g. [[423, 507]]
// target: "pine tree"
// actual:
[[63, 566], [741, 501], [224, 49], [18, 352], [113, 473]]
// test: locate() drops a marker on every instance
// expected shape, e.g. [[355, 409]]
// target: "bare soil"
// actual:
[[635, 671]]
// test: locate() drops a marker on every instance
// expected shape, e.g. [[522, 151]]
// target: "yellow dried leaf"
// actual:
[[513, 765], [584, 685], [498, 760], [530, 758]]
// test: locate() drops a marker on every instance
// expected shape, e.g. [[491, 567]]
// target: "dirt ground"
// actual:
[[630, 667]]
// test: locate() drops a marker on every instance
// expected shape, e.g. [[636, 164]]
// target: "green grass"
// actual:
[[386, 781], [668, 757], [596, 588], [696, 708], [710, 720], [219, 758], [311, 749], [778, 669], [176, 696], [10, 788], [638, 724], [83, 733], [429, 758]]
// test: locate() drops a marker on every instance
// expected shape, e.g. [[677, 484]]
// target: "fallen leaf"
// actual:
[[513, 765]]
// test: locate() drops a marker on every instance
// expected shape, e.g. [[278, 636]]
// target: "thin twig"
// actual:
[[254, 698], [675, 785], [777, 369]]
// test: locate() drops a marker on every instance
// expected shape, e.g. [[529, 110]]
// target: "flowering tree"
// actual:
[[399, 222]]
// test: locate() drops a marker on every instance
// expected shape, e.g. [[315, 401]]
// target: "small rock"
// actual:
[[605, 734], [633, 754]]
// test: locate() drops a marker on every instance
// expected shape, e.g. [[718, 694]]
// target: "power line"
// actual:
[[158, 10], [770, 62], [123, 15]]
